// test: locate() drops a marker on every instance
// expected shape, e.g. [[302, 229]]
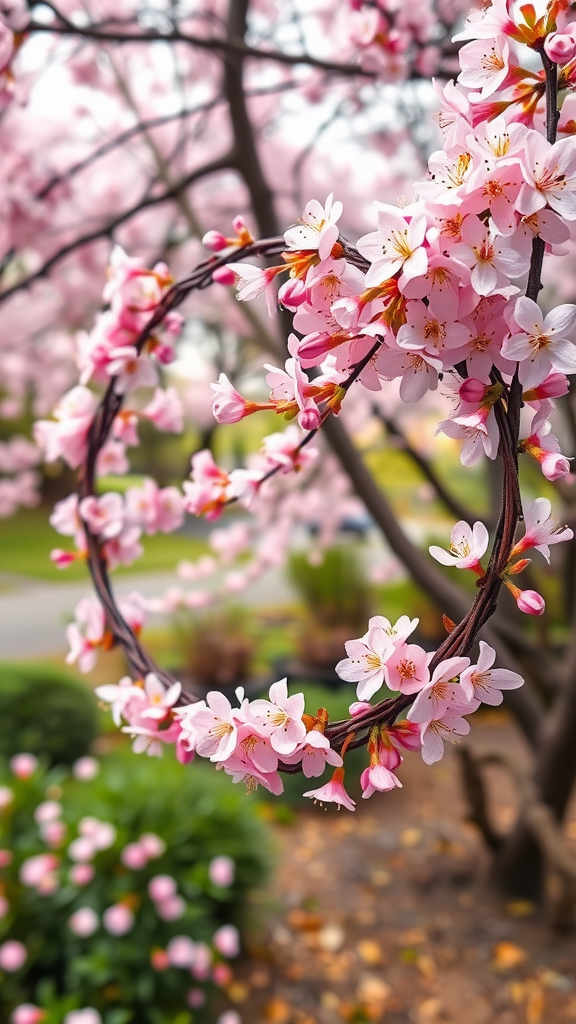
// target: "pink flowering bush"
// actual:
[[123, 909]]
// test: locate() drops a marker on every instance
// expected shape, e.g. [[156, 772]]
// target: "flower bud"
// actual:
[[292, 294], [530, 602], [214, 241], [560, 47], [472, 390], [223, 275]]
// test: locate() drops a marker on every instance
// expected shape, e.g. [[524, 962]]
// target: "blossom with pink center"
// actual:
[[23, 765], [495, 189], [13, 956], [104, 516], [314, 753], [227, 940], [84, 922], [366, 659], [442, 693], [436, 731], [484, 64], [430, 334], [165, 411], [449, 172], [544, 343], [130, 370], [550, 177], [153, 508], [317, 228], [118, 919], [27, 1013], [406, 669], [221, 871], [419, 371], [484, 683], [280, 717], [159, 698], [253, 743], [241, 767], [377, 778], [542, 529], [112, 460], [487, 22], [333, 792], [493, 259], [216, 726], [396, 246], [467, 546]]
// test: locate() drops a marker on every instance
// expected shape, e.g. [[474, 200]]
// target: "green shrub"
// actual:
[[336, 591], [46, 711], [195, 816]]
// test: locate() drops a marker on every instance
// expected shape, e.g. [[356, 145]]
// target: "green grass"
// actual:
[[27, 538]]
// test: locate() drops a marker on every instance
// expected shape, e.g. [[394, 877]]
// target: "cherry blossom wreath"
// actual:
[[428, 293]]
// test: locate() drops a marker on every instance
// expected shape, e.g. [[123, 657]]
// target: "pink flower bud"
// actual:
[[221, 871], [85, 769], [161, 887], [81, 874], [181, 951], [554, 465], [61, 558], [530, 602], [472, 390], [6, 858], [555, 385], [292, 293], [134, 857], [118, 919], [239, 224], [152, 845], [13, 955], [358, 707], [159, 960], [27, 1013], [222, 974], [227, 940], [560, 47], [214, 241], [171, 909], [23, 765], [164, 354], [196, 998], [223, 275], [84, 922], [309, 419]]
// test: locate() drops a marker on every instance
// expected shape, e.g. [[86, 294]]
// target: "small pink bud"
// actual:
[[134, 856], [161, 887], [85, 769], [214, 241], [221, 871], [196, 998], [358, 707], [223, 275], [309, 419], [159, 960], [239, 224], [164, 354], [23, 765], [530, 602], [472, 390], [555, 385], [84, 922], [118, 919], [560, 47], [13, 955], [292, 294], [152, 845], [27, 1013], [62, 559], [81, 874], [227, 940]]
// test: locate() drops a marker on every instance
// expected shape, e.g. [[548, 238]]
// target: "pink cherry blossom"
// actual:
[[165, 411], [550, 177], [333, 792], [493, 259], [467, 546], [216, 726], [436, 731], [105, 515], [544, 344], [314, 753], [544, 446], [397, 245], [542, 529], [365, 661], [317, 228], [560, 47], [406, 669], [484, 64], [484, 683], [442, 694], [280, 717]]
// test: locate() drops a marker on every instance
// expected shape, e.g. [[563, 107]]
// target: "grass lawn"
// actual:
[[27, 538]]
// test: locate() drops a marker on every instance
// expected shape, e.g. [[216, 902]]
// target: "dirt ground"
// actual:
[[388, 915]]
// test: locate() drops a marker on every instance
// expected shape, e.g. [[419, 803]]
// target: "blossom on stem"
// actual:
[[544, 344], [317, 228], [484, 683], [442, 693], [550, 176], [333, 792], [280, 717], [467, 546], [529, 601], [542, 529], [545, 447], [397, 245]]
